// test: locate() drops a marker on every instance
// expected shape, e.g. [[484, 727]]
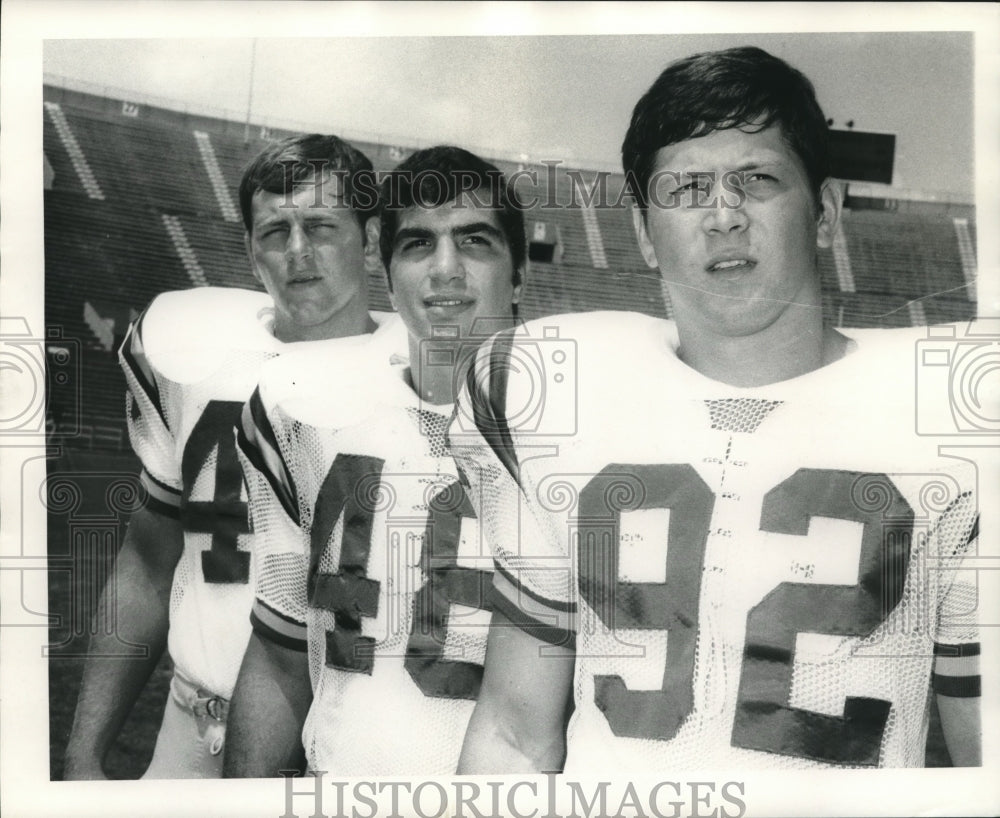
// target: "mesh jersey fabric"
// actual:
[[386, 582], [756, 578], [191, 361]]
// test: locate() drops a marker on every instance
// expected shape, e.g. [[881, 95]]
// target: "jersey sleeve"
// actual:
[[533, 578], [280, 601], [956, 642], [148, 426]]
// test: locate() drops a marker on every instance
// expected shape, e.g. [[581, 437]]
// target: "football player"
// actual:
[[724, 546], [371, 615], [184, 578]]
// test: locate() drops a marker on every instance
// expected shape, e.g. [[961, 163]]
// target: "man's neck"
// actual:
[[349, 321], [438, 365], [787, 349], [435, 383]]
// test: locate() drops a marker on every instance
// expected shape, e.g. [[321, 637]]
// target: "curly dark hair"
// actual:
[[434, 176]]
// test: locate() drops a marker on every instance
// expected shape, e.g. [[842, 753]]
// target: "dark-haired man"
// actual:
[[736, 568], [184, 577], [373, 578]]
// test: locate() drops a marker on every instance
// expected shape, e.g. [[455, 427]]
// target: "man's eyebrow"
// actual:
[[753, 163], [478, 227], [760, 162], [459, 231], [310, 213], [320, 214], [405, 233], [269, 219]]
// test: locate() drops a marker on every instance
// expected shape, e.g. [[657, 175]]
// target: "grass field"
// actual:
[[73, 596]]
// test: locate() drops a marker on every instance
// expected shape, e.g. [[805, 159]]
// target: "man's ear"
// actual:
[[642, 236], [373, 252], [518, 288], [248, 246], [831, 202], [373, 229]]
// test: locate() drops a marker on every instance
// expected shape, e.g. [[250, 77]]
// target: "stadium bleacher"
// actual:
[[143, 200]]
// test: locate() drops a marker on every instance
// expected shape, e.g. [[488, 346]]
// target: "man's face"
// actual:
[[308, 250], [733, 226], [451, 265]]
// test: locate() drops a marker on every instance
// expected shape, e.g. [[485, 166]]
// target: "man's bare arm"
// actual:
[[140, 585], [960, 723], [519, 722], [269, 706]]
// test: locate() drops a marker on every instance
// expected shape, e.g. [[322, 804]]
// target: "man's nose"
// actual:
[[299, 246], [726, 212], [447, 261]]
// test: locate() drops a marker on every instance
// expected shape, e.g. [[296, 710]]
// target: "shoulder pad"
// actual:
[[595, 342], [333, 383], [391, 338], [608, 326], [187, 334]]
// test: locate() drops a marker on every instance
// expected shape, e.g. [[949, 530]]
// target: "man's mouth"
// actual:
[[446, 302], [303, 279], [735, 265]]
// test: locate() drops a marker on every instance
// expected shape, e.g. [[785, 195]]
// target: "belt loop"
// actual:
[[197, 701], [217, 707]]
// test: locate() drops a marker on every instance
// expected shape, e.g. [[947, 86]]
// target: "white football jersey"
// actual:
[[751, 578], [370, 558], [191, 361]]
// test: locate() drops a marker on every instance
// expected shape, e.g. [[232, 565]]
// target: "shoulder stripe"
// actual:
[[256, 439], [161, 498], [567, 607], [956, 507], [132, 355], [489, 410], [539, 630], [278, 628], [974, 533]]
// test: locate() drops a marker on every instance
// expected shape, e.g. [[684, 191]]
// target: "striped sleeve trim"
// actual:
[[132, 355], [278, 628], [956, 670], [256, 439], [552, 623], [958, 687], [550, 634], [489, 397], [521, 588], [161, 498], [957, 651]]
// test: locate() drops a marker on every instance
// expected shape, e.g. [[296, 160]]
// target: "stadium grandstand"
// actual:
[[140, 199]]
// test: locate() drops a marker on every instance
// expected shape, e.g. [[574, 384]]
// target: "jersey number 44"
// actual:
[[350, 491]]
